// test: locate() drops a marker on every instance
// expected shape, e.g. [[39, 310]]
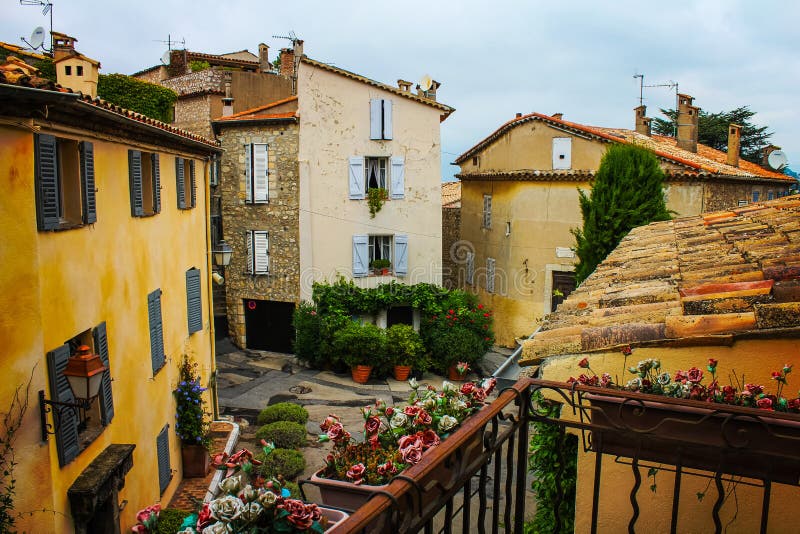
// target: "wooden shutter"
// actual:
[[487, 211], [213, 178], [470, 268], [260, 252], [490, 275], [162, 451], [106, 397], [180, 182], [135, 182], [562, 152], [156, 330], [194, 304], [357, 178], [87, 181], [260, 174], [248, 173], [400, 255], [387, 119], [47, 194], [398, 177], [67, 422], [156, 169], [360, 255], [376, 118], [249, 241], [192, 185]]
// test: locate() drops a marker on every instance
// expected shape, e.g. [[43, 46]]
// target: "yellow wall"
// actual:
[[86, 83], [59, 284], [755, 359]]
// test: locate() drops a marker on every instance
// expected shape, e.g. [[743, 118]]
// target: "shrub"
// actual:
[[169, 520], [404, 347], [307, 339], [283, 411], [454, 344], [284, 434], [197, 66], [286, 462], [293, 488], [361, 344]]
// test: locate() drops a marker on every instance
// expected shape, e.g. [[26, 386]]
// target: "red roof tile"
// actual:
[[254, 112], [451, 194]]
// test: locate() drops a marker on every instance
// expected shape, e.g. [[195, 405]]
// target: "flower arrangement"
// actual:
[[397, 437], [147, 519], [462, 368], [191, 425]]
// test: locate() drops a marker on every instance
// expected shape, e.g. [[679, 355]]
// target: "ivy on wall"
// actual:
[[146, 98]]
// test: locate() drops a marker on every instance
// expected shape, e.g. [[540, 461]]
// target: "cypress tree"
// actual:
[[627, 192]]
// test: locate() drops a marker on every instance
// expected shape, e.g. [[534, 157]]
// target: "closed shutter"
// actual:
[[47, 195], [490, 275], [87, 181], [260, 252], [213, 178], [156, 168], [401, 255], [360, 255], [67, 421], [387, 119], [376, 118], [106, 397], [248, 173], [260, 174], [357, 178], [135, 182], [192, 184], [398, 177], [250, 258], [562, 153], [164, 467], [487, 211], [180, 182], [470, 268], [194, 304], [156, 330]]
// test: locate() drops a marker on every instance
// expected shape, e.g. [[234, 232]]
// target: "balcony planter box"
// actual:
[[343, 494], [195, 461], [334, 516], [743, 442]]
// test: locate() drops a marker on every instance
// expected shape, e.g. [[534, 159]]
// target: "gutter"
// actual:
[[508, 372]]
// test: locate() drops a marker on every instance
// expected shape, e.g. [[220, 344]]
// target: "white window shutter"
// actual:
[[260, 174], [398, 177], [401, 255], [261, 251], [248, 173], [490, 275], [360, 255], [249, 239], [376, 118], [356, 177], [562, 153], [387, 119]]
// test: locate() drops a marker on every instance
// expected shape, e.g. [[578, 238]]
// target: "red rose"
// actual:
[[429, 439], [712, 364], [584, 363], [413, 453], [486, 315], [387, 469], [794, 404], [754, 389], [372, 425], [765, 403], [450, 312], [479, 394], [301, 515], [389, 411], [374, 444], [423, 418], [204, 517], [327, 422], [337, 433], [406, 441], [411, 411], [467, 388], [627, 350], [356, 473], [694, 375]]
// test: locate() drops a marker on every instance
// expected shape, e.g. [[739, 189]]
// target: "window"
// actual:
[[257, 252], [563, 284], [65, 191], [470, 268], [742, 203], [380, 119], [68, 70], [562, 153], [380, 248], [185, 183], [487, 211], [144, 181], [476, 160], [490, 275], [79, 70], [162, 453], [256, 169], [194, 303], [75, 433], [770, 195], [157, 357], [369, 248], [213, 178], [376, 172], [755, 196]]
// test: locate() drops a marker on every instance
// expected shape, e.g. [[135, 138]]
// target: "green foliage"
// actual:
[[454, 344], [712, 130], [376, 196], [170, 519], [197, 66], [307, 339], [283, 411], [11, 423], [553, 461], [380, 264], [293, 488], [361, 344], [627, 192], [404, 347], [288, 463], [146, 98], [284, 434]]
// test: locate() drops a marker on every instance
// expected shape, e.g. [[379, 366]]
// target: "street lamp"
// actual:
[[222, 255]]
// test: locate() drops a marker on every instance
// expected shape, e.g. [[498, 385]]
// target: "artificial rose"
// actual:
[[336, 432], [387, 469], [681, 376], [664, 379], [389, 411], [328, 422], [584, 363], [231, 485], [301, 515], [219, 527], [765, 403], [794, 404], [248, 494], [489, 385], [251, 512], [413, 453], [412, 383], [694, 375], [479, 394], [605, 381], [406, 441], [423, 418], [627, 350], [398, 420], [204, 516], [372, 425], [712, 365], [754, 389], [374, 442], [429, 439], [447, 423], [411, 410], [448, 387], [267, 499], [226, 508], [356, 473], [429, 404]]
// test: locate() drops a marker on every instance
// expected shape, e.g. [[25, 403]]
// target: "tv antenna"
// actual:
[[170, 42], [669, 85], [37, 37], [291, 37]]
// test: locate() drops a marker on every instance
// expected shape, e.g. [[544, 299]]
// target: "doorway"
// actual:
[[563, 285], [268, 325], [400, 315]]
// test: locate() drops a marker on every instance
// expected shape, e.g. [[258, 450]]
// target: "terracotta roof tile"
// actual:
[[256, 112], [451, 194]]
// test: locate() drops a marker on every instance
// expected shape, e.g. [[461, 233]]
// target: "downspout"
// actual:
[[510, 367], [212, 379]]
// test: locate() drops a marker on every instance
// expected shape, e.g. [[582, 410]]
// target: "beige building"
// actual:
[[73, 69], [520, 201]]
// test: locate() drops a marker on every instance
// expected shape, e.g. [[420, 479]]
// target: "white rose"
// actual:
[[447, 423], [226, 508], [218, 528], [448, 386], [412, 382], [398, 420], [267, 499], [249, 493], [251, 512], [231, 485]]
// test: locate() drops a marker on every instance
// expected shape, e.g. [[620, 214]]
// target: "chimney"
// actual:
[[227, 102], [557, 116], [263, 58], [518, 115], [687, 123], [642, 121], [404, 85], [63, 45], [287, 62], [430, 94], [734, 140]]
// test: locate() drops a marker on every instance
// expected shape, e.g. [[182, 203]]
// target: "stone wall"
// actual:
[[193, 113], [280, 217], [722, 195], [196, 82], [154, 75], [451, 235]]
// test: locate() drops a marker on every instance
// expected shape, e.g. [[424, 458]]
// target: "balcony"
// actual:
[[639, 463]]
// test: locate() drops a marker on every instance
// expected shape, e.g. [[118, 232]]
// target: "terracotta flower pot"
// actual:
[[195, 461], [453, 375], [401, 372], [360, 373]]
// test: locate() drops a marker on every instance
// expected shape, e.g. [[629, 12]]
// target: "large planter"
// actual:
[[360, 373], [401, 372], [745, 442], [343, 494], [195, 461]]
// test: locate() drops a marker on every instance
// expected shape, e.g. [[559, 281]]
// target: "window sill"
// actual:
[[63, 227]]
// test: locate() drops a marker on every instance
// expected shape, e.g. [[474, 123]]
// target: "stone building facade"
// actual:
[[453, 249]]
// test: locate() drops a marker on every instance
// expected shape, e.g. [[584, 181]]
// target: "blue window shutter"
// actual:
[[47, 195], [135, 182], [156, 330], [164, 467], [194, 304], [356, 180], [180, 183], [387, 119], [106, 397], [401, 255], [376, 118], [360, 255], [398, 177], [67, 422], [87, 181], [192, 184], [156, 182]]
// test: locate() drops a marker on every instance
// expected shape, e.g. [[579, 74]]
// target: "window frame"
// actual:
[[252, 263], [186, 184], [144, 181], [385, 171]]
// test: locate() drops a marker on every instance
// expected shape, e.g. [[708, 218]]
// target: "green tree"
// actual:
[[712, 130], [627, 192]]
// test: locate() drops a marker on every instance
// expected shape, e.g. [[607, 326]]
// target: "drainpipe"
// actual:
[[510, 366], [212, 379]]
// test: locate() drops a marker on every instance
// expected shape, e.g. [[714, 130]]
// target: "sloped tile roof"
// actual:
[[697, 280], [451, 194], [14, 49], [258, 112]]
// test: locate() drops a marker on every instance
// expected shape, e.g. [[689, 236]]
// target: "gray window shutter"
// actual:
[[192, 185], [135, 182], [248, 173], [401, 255], [487, 211], [360, 255], [156, 182], [194, 304], [106, 397], [376, 118], [180, 182], [250, 258], [260, 170], [87, 181], [164, 467], [387, 119], [157, 357], [398, 177], [357, 178], [490, 275], [67, 422], [47, 195], [470, 268]]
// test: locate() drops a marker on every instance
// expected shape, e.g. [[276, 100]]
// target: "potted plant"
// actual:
[[192, 425], [376, 196], [361, 346], [405, 349], [381, 266]]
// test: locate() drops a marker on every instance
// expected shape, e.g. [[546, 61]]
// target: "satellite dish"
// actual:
[[165, 58], [777, 159], [425, 83], [37, 38]]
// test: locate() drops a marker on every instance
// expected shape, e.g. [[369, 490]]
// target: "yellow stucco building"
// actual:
[[106, 245]]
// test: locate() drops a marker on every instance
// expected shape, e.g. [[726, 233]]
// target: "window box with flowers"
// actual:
[[192, 425]]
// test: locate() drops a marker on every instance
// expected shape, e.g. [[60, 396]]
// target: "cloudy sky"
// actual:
[[494, 58]]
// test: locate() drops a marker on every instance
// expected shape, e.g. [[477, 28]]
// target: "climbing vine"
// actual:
[[146, 98], [11, 423]]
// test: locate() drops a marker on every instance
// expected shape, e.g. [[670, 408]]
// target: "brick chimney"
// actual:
[[287, 62], [734, 142], [642, 120], [263, 58], [557, 116], [178, 63], [687, 123]]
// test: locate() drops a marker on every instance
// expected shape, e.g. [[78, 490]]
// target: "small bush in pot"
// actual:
[[286, 462], [404, 348], [283, 411], [283, 434], [361, 345]]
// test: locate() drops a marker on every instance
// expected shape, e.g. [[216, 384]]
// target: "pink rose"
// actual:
[[356, 473], [328, 422], [681, 376], [694, 375], [337, 433], [423, 418], [429, 439], [411, 410], [412, 454], [765, 403], [374, 444], [301, 515], [372, 425], [467, 388], [406, 441], [387, 469]]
